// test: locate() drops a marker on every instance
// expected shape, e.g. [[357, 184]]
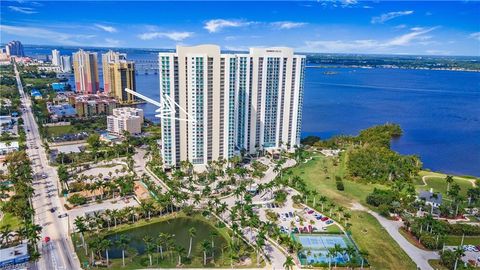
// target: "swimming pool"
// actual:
[[315, 248]]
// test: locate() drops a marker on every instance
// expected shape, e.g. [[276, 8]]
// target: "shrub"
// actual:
[[77, 199], [384, 210], [380, 196], [340, 186], [447, 258]]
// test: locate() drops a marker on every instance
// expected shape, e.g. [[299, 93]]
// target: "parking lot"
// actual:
[[472, 254], [291, 219]]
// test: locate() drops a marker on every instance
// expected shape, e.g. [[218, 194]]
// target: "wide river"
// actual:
[[439, 111]]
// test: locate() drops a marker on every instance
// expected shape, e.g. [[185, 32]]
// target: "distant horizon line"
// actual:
[[173, 49]]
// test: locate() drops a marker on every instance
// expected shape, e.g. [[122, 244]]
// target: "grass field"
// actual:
[[437, 182], [319, 173], [59, 130], [436, 265], [453, 240], [9, 219], [384, 252], [369, 235]]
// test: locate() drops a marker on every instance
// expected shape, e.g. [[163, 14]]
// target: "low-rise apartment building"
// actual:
[[125, 119]]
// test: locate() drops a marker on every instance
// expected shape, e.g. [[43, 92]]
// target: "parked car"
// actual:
[[310, 212], [324, 219], [329, 221], [62, 215]]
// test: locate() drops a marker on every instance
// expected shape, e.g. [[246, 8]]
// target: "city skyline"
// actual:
[[315, 27]]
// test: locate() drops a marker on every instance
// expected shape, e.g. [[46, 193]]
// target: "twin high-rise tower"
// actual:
[[240, 102], [118, 74]]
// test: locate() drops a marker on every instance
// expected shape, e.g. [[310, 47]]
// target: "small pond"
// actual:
[[178, 227]]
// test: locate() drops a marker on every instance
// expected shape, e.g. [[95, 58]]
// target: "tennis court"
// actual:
[[315, 248]]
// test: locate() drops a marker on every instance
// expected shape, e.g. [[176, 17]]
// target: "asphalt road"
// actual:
[[59, 252]]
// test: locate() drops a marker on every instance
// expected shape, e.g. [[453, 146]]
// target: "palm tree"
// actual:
[[332, 253], [314, 193], [351, 252], [363, 254], [6, 232], [205, 247], [181, 252], [337, 249], [123, 243], [149, 247], [459, 253], [322, 200], [289, 263], [449, 180], [192, 232], [260, 243], [105, 245], [213, 235], [162, 240]]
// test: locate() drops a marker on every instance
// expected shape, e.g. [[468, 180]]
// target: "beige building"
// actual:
[[85, 69], [118, 74], [93, 104], [240, 102], [125, 119]]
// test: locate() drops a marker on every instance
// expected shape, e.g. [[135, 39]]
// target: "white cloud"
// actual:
[[371, 45], [216, 25], [400, 26], [416, 33], [176, 36], [106, 28], [475, 35], [288, 25], [390, 15], [44, 34], [24, 10]]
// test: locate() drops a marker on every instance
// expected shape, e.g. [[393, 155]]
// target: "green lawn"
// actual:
[[59, 130], [438, 184], [9, 219], [384, 252], [334, 229], [315, 173], [369, 235], [436, 265], [453, 240]]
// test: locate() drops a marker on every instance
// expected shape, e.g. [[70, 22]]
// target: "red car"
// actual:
[[310, 212], [47, 239], [324, 219]]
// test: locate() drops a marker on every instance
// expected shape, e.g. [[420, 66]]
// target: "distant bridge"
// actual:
[[146, 66]]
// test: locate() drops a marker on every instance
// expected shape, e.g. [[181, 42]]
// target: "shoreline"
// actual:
[[395, 67]]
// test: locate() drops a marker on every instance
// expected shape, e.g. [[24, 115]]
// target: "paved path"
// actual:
[[419, 256]]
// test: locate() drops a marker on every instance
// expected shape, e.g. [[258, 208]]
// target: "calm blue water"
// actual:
[[439, 111]]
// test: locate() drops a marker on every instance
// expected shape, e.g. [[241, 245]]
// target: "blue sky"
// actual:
[[348, 26]]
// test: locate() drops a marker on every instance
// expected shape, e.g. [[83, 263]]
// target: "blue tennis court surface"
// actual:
[[315, 248]]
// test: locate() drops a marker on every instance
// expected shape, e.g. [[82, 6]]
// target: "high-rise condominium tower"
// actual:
[[56, 58], [240, 102], [118, 74], [14, 48], [66, 63], [85, 70]]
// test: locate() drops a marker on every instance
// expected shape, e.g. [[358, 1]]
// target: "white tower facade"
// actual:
[[56, 59], [239, 102]]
